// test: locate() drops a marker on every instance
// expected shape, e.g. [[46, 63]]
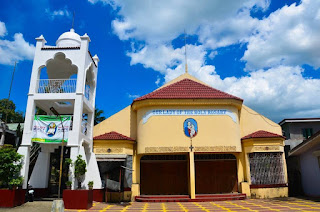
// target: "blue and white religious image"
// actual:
[[190, 127]]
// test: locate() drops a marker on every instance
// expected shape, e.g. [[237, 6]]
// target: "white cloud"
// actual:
[[3, 29], [161, 21], [58, 13], [157, 82], [133, 96], [16, 50], [289, 36], [277, 47], [279, 92]]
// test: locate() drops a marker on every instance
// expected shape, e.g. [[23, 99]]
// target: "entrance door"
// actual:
[[54, 171], [164, 175], [216, 173]]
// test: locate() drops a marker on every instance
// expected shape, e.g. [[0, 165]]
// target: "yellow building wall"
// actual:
[[123, 122], [115, 146], [165, 135], [218, 133], [251, 121], [261, 193]]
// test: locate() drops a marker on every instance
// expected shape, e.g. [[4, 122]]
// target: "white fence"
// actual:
[[57, 85]]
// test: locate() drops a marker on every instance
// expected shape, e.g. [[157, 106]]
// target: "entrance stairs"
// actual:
[[186, 198]]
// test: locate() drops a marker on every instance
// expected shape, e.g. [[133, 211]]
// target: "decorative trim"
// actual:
[[269, 186], [166, 149], [59, 48], [186, 102], [105, 150], [266, 148], [215, 149], [186, 149], [189, 112]]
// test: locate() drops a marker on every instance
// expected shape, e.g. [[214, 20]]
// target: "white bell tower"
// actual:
[[63, 77]]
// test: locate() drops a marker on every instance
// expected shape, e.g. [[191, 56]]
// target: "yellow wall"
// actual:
[[123, 122], [218, 131], [116, 147], [251, 121], [261, 193]]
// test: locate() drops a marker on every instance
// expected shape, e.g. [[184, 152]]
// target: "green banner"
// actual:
[[51, 129]]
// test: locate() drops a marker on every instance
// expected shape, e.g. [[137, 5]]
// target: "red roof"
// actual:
[[262, 134], [187, 89], [112, 136]]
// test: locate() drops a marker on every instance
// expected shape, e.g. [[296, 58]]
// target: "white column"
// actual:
[[74, 151], [40, 174], [25, 151], [27, 131]]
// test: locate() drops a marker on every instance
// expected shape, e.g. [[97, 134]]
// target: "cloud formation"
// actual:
[[58, 13], [3, 29], [289, 36], [16, 50], [277, 47]]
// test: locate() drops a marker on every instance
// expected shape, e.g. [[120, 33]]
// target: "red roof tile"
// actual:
[[262, 134], [112, 136], [187, 89]]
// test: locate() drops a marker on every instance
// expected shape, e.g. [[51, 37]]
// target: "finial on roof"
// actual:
[[72, 27], [185, 52]]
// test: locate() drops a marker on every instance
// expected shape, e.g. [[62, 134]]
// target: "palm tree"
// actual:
[[98, 116]]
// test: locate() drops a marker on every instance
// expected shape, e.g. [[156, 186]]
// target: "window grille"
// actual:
[[266, 168]]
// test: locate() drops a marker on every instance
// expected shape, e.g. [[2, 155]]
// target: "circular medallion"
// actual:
[[190, 127]]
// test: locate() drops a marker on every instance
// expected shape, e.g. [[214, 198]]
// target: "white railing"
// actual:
[[57, 85]]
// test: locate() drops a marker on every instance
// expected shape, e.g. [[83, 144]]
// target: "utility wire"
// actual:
[[257, 114]]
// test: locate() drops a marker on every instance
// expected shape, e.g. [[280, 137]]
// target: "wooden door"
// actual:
[[164, 178], [216, 176]]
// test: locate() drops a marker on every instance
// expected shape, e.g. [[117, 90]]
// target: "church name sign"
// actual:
[[189, 112]]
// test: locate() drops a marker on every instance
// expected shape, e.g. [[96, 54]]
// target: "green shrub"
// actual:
[[10, 167], [79, 169]]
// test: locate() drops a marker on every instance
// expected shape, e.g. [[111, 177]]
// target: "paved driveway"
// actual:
[[288, 204]]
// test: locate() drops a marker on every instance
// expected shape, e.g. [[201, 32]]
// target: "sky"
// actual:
[[266, 52]]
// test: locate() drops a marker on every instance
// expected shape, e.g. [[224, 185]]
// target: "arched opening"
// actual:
[[59, 75], [216, 173]]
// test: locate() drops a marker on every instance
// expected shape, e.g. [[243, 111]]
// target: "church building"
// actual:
[[187, 138]]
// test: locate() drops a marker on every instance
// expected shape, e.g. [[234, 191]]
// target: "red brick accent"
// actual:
[[187, 89], [262, 134], [112, 136]]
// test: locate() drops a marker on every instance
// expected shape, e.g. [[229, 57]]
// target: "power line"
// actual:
[[257, 114]]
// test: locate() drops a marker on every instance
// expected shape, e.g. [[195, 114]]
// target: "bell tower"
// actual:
[[64, 77]]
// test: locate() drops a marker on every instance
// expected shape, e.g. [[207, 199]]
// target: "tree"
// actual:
[[98, 116], [10, 166], [8, 112]]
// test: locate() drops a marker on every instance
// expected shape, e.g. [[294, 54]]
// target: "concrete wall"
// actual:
[[295, 129], [310, 172], [119, 122], [251, 121], [167, 131]]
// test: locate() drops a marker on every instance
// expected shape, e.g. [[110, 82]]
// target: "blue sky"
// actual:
[[266, 52]]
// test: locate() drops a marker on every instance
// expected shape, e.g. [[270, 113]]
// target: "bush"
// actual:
[[79, 169], [10, 167]]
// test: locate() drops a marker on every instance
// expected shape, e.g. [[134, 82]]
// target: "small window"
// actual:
[[307, 132]]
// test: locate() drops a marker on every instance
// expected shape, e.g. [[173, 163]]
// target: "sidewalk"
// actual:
[[285, 204]]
